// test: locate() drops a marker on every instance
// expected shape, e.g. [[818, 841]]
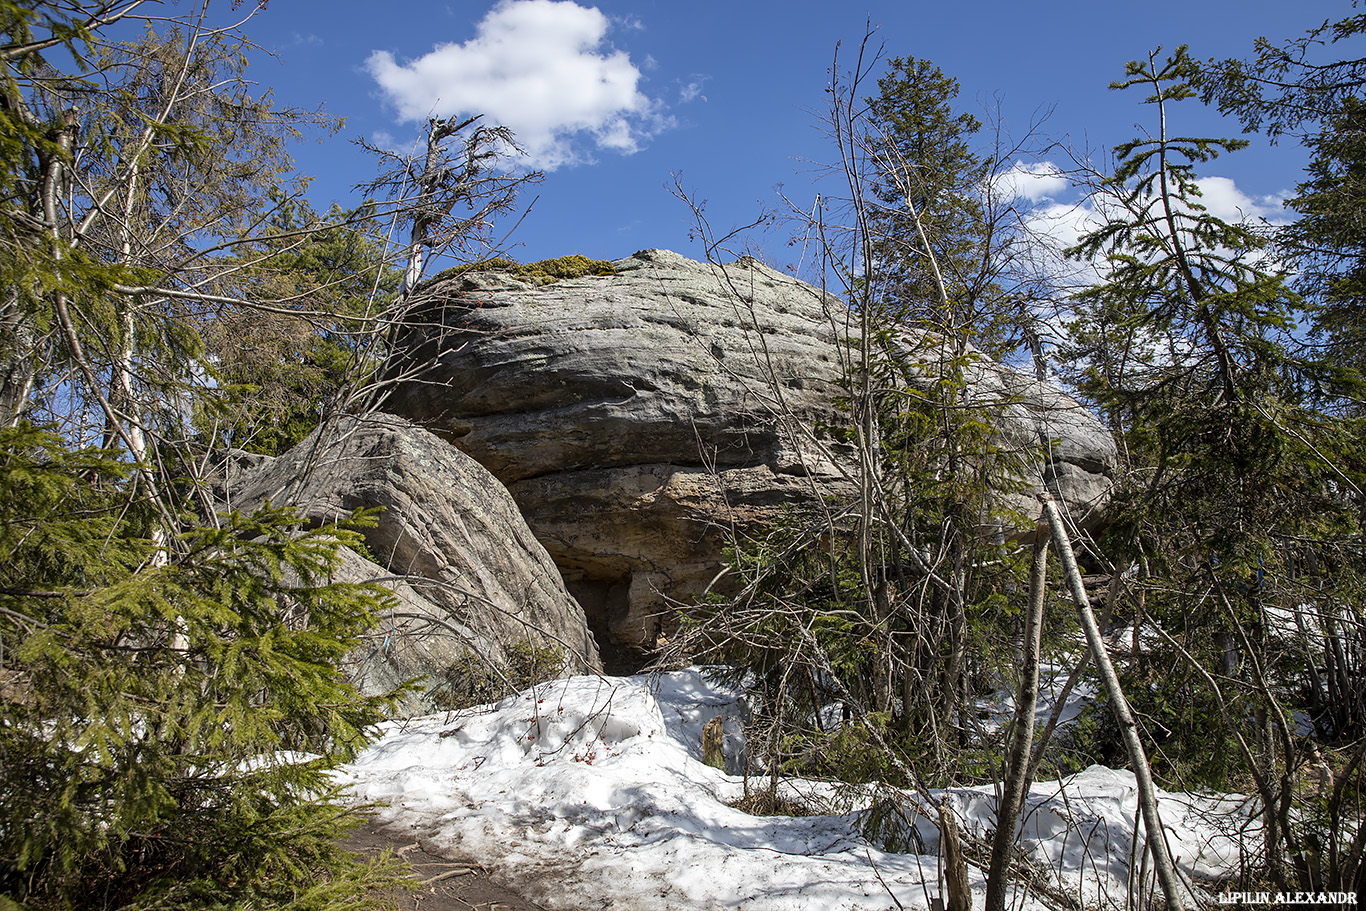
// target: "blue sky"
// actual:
[[614, 98]]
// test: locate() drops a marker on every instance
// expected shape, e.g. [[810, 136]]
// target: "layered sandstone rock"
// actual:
[[638, 419], [472, 581]]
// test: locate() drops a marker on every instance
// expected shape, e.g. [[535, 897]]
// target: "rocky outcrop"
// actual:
[[1070, 452], [636, 418], [471, 580], [660, 363]]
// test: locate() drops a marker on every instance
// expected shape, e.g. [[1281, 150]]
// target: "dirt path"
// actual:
[[448, 885]]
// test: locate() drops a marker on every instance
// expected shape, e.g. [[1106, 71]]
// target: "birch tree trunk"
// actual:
[[1147, 793], [1022, 733]]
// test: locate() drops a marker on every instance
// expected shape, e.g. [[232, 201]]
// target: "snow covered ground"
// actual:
[[591, 793]]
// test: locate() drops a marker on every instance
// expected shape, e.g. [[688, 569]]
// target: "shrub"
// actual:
[[472, 680]]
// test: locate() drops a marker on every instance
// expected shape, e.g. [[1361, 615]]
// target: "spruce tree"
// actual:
[[928, 171], [1311, 87], [892, 600], [167, 727], [1238, 478], [1328, 240], [170, 695]]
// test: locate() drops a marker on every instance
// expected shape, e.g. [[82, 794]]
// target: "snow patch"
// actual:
[[591, 791]]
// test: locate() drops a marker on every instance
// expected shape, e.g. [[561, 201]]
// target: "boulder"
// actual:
[[418, 639], [638, 418], [660, 363], [473, 583]]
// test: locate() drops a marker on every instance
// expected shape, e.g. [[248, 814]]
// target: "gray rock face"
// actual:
[[472, 579], [656, 364], [420, 638], [637, 417], [1079, 455]]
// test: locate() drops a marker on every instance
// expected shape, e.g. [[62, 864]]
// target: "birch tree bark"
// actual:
[[1016, 784], [1147, 792]]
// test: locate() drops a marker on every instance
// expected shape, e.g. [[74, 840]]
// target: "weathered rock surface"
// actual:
[[657, 364], [470, 578], [635, 417], [419, 638]]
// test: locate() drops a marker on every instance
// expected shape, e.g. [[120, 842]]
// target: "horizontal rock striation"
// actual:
[[640, 418]]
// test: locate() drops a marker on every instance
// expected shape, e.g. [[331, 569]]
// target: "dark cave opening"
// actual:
[[606, 602]]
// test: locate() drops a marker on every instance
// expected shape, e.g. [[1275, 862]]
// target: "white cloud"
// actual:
[[1035, 182], [1059, 224], [1045, 185], [1057, 215], [693, 90], [1223, 199], [383, 139], [1064, 223], [540, 67]]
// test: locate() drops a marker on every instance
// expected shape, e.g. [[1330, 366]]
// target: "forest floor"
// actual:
[[447, 885]]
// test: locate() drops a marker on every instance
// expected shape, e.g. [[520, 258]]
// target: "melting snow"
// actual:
[[591, 792]]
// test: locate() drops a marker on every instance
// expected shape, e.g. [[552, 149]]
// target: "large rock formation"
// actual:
[[471, 580], [637, 417]]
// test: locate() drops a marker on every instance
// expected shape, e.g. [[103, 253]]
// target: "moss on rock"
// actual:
[[543, 272]]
